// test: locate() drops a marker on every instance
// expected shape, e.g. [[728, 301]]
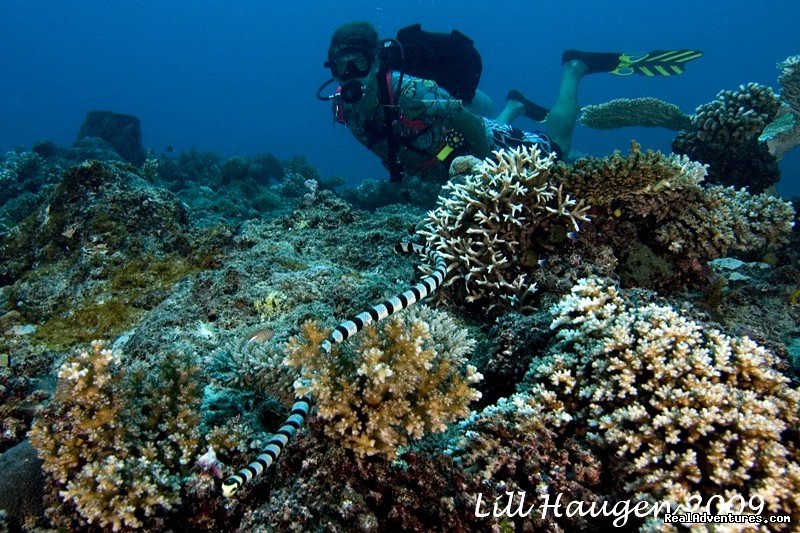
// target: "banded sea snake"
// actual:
[[346, 329]]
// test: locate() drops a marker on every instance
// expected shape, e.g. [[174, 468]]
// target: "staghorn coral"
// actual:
[[626, 112], [117, 444], [397, 381], [685, 409], [491, 226]]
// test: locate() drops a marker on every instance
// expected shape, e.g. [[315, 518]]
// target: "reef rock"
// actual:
[[122, 132]]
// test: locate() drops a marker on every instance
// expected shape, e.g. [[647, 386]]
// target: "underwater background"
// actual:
[[218, 314], [239, 78]]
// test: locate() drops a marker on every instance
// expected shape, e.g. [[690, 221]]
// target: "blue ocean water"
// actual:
[[239, 77]]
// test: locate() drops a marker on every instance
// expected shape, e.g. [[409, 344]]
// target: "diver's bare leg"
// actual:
[[562, 118]]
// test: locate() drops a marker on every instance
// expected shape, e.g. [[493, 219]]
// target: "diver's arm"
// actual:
[[473, 129], [438, 107]]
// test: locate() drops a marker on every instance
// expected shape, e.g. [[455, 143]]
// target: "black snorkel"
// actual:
[[319, 91]]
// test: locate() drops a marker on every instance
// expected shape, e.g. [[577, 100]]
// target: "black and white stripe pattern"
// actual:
[[428, 285], [342, 332]]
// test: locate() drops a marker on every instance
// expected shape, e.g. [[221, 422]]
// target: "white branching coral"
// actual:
[[687, 410], [401, 379], [489, 224]]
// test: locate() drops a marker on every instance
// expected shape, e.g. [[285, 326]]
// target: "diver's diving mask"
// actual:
[[349, 63]]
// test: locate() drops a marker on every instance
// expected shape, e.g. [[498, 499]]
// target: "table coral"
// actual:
[[626, 112], [686, 409], [783, 133], [399, 380]]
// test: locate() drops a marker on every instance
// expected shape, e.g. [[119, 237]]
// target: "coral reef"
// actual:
[[319, 487], [232, 271], [783, 134], [674, 224], [117, 444], [99, 208], [23, 176], [401, 379], [372, 194], [684, 409], [725, 133], [189, 166], [234, 169], [625, 112], [789, 81], [104, 247], [496, 224], [509, 448], [725, 221]]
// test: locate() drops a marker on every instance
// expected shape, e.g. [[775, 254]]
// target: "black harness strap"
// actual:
[[391, 114]]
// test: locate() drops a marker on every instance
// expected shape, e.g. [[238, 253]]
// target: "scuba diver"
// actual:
[[414, 101]]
